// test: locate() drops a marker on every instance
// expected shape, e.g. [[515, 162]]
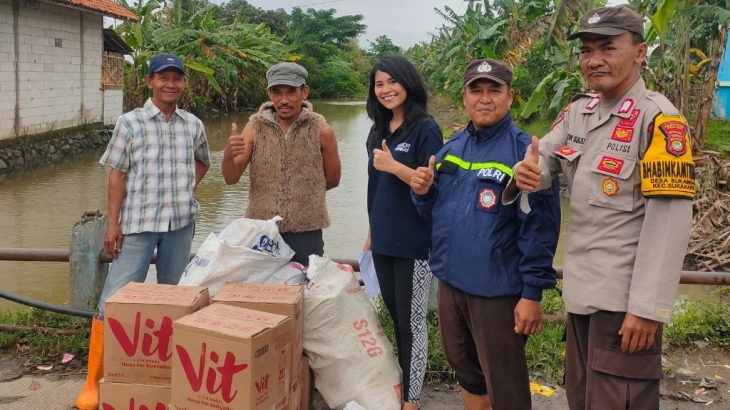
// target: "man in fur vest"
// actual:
[[294, 161]]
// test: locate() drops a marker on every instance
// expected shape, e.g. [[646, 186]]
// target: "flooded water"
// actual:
[[39, 207]]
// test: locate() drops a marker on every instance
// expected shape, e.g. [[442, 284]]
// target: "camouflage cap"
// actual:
[[488, 69], [610, 21]]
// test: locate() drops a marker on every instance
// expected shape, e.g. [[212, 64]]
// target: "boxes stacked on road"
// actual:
[[122, 396], [277, 299], [138, 341], [226, 357]]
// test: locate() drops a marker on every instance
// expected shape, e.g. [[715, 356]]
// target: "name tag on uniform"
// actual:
[[492, 174]]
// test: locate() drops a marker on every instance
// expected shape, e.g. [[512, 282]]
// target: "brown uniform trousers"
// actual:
[[598, 376], [479, 341]]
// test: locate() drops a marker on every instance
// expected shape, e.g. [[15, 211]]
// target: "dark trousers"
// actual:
[[598, 376], [479, 340], [404, 285], [304, 244]]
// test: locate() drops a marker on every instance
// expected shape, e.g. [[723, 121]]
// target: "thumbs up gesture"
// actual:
[[527, 176], [236, 145], [422, 178], [383, 158]]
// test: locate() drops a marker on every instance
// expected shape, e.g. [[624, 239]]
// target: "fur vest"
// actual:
[[286, 171]]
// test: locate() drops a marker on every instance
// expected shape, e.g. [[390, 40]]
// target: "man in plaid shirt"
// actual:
[[157, 154]]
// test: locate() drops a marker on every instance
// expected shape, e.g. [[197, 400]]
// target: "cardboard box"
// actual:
[[278, 299], [138, 330], [120, 396], [227, 357], [305, 380]]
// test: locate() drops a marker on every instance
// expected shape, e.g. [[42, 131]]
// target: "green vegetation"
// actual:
[[227, 49], [718, 136], [686, 35], [537, 128], [41, 346], [705, 319]]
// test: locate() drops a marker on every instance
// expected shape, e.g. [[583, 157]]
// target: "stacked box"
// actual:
[[306, 384], [122, 396], [226, 357], [277, 299], [138, 328]]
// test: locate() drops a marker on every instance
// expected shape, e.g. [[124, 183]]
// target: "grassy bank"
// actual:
[[40, 346], [694, 320]]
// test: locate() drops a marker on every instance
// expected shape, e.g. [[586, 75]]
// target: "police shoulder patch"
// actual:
[[667, 168]]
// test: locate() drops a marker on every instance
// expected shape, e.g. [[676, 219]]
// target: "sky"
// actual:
[[406, 22]]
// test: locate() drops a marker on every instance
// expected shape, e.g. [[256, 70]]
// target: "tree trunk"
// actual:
[[699, 129]]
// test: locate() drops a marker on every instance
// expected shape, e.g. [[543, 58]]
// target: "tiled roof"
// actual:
[[105, 7]]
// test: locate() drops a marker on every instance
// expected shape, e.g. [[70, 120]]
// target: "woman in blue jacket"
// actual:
[[402, 138]]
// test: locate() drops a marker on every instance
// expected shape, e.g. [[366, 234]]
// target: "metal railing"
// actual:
[[63, 255]]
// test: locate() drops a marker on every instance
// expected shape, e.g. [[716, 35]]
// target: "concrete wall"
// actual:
[[113, 105], [7, 70], [59, 86]]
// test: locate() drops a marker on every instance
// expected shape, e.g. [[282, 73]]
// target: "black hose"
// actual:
[[46, 306]]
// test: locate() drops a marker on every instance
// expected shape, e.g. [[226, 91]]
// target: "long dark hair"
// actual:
[[415, 106]]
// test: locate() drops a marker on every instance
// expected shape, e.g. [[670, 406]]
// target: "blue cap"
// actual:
[[163, 61]]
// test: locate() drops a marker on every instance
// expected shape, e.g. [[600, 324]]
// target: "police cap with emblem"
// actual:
[[487, 69], [610, 21]]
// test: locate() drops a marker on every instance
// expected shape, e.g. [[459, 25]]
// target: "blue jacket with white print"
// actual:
[[478, 244]]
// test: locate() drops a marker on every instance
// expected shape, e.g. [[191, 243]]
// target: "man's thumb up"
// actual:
[[432, 164], [385, 146], [533, 153]]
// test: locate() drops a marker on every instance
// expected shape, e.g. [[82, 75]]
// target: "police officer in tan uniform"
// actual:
[[625, 153]]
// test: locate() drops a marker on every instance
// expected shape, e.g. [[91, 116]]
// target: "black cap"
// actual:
[[610, 21], [487, 69]]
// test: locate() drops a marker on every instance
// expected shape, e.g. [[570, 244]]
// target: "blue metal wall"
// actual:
[[722, 94]]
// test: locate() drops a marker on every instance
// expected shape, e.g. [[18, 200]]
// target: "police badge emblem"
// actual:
[[674, 133], [595, 18], [487, 199], [610, 187], [484, 67]]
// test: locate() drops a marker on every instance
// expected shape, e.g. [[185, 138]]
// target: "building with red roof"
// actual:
[[59, 67]]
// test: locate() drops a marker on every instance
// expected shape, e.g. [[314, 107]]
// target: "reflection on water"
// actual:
[[39, 207]]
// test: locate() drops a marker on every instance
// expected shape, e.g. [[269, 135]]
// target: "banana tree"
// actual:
[[138, 35], [225, 62], [719, 16]]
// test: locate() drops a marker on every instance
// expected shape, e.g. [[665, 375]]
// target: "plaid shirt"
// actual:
[[159, 160]]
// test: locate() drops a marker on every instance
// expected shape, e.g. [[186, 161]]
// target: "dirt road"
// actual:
[[695, 378]]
